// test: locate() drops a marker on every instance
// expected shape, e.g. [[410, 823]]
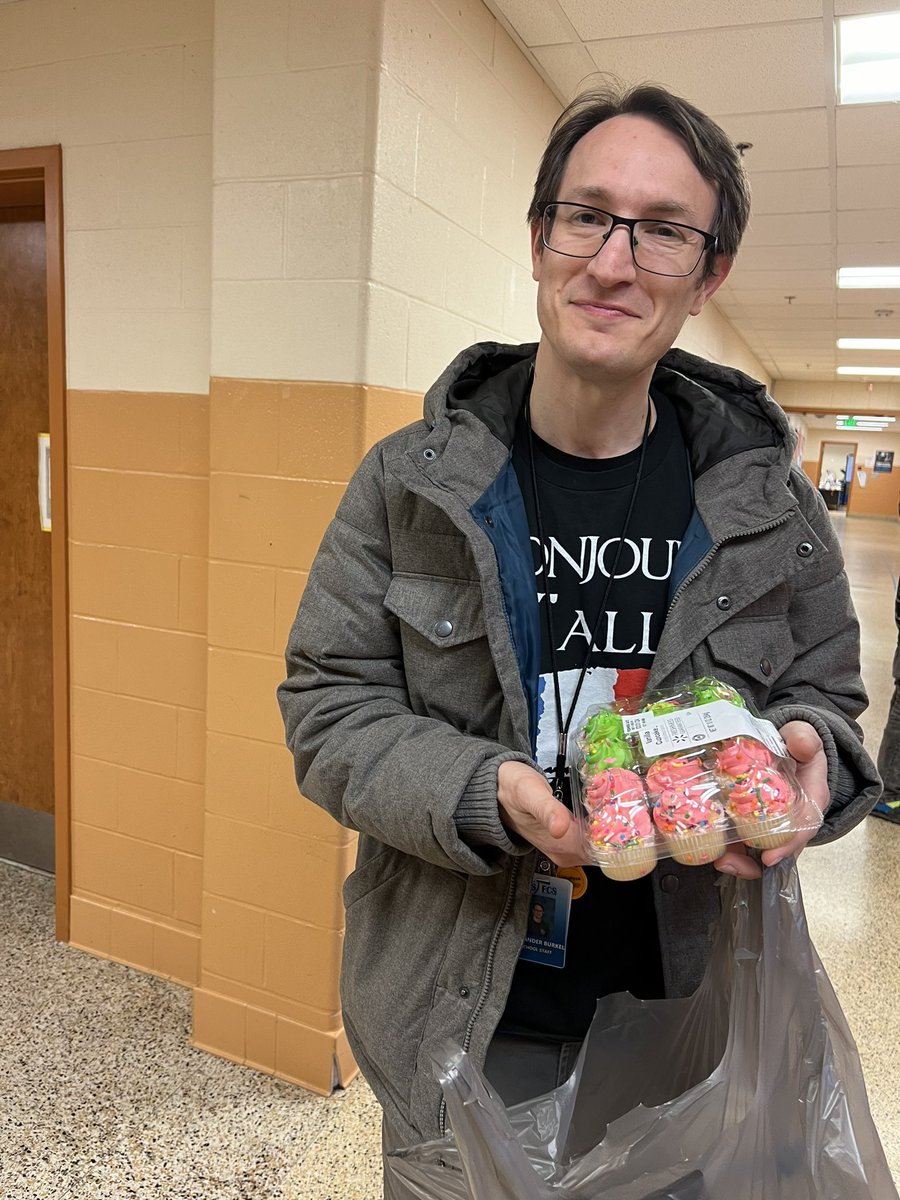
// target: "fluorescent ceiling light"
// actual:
[[869, 277], [868, 343], [869, 58], [868, 370]]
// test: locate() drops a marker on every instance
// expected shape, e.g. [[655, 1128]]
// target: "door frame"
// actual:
[[854, 447], [44, 164]]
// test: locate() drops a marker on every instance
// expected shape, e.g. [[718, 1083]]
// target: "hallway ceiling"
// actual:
[[825, 177]]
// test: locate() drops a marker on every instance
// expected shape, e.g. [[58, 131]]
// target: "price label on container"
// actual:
[[687, 728]]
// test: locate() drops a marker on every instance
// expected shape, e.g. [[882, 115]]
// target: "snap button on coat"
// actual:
[[464, 992], [428, 454], [723, 602], [765, 666], [669, 883], [805, 549], [443, 628]]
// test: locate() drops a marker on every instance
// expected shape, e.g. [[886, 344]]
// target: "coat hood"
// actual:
[[721, 410]]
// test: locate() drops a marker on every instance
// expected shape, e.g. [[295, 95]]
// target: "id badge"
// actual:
[[548, 921]]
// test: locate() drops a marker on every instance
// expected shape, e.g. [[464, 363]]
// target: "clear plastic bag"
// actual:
[[751, 1089], [683, 775]]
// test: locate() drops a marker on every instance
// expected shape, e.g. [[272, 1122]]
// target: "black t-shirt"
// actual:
[[613, 942]]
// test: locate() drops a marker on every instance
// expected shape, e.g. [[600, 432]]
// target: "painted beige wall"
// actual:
[[126, 88], [711, 335]]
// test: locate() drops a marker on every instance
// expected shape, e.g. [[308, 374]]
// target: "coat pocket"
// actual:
[[446, 612], [751, 653], [447, 664]]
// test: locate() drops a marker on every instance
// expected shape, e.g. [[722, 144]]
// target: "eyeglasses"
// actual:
[[660, 247]]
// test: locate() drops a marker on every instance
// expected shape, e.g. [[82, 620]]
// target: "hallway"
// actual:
[[101, 1095]]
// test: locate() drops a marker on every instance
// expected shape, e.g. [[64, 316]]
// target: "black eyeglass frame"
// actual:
[[710, 240]]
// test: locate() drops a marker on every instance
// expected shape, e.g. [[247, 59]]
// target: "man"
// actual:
[[571, 522], [537, 926]]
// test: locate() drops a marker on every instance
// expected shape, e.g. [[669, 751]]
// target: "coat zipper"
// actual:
[[715, 546], [486, 983]]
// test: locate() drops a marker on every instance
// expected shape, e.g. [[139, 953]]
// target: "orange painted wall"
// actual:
[[194, 522], [879, 497], [138, 521]]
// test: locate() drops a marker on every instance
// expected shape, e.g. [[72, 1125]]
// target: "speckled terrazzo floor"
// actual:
[[102, 1097]]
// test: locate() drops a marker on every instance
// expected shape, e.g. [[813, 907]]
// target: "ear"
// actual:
[[537, 250], [721, 267]]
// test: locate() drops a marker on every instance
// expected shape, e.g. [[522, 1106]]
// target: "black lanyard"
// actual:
[[560, 782]]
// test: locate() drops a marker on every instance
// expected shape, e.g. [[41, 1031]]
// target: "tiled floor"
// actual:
[[102, 1098]]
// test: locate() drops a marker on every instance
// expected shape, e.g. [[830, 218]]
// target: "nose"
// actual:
[[614, 260]]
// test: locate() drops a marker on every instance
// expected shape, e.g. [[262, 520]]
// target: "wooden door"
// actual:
[[26, 641]]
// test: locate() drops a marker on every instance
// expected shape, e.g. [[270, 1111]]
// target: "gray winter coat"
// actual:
[[412, 669]]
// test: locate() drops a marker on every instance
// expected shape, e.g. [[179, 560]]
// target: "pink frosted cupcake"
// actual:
[[738, 755], [674, 771], [613, 784], [761, 803], [622, 839], [692, 822]]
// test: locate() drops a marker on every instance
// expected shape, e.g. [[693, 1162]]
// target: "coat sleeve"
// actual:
[[360, 752], [822, 684]]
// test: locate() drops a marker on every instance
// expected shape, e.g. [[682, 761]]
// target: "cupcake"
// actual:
[[622, 840], [613, 786], [707, 690], [738, 755], [603, 724], [674, 771], [607, 752], [691, 820], [760, 803]]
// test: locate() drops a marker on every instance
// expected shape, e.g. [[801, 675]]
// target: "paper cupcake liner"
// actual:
[[696, 847], [631, 862], [767, 833]]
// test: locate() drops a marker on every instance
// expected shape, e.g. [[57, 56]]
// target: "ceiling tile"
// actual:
[[878, 186], [537, 22], [791, 258], [623, 18], [751, 296], [790, 191], [859, 8], [795, 229], [878, 225], [782, 141], [871, 254], [781, 281], [701, 65], [865, 309], [568, 68], [868, 134]]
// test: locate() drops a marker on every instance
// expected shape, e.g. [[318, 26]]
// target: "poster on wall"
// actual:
[[884, 461]]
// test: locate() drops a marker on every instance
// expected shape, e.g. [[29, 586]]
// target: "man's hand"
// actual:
[[529, 808], [805, 747]]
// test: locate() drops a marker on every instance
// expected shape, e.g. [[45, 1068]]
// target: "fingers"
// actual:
[[802, 740], [736, 861]]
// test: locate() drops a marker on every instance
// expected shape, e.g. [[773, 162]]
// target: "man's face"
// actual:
[[537, 912], [603, 319]]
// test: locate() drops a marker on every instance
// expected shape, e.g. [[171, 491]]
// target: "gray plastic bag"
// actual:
[[751, 1089]]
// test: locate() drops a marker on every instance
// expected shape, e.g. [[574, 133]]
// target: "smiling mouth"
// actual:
[[601, 308]]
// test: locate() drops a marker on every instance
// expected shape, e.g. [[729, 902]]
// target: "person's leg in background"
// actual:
[[889, 754]]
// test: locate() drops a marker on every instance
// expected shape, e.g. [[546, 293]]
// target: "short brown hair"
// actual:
[[712, 153]]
